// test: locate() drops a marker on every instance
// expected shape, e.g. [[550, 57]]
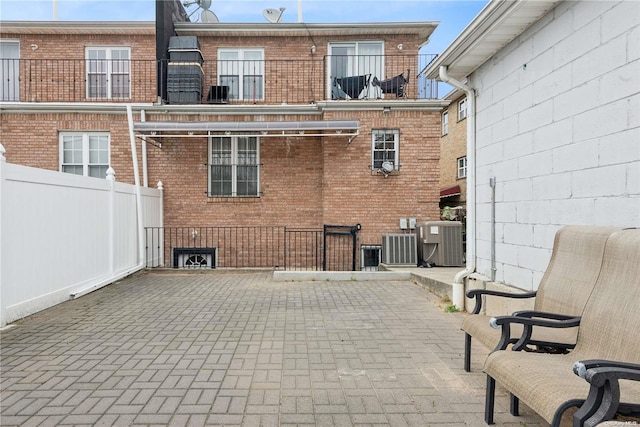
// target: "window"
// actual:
[[445, 123], [384, 148], [462, 167], [243, 71], [9, 70], [234, 166], [370, 257], [84, 153], [108, 72], [352, 60], [462, 109]]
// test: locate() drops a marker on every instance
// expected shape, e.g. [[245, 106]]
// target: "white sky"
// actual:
[[453, 15]]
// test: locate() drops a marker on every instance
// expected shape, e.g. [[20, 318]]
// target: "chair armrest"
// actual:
[[538, 319], [535, 318], [596, 372], [478, 293], [531, 314], [603, 400]]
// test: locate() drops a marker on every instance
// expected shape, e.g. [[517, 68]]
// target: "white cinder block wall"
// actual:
[[558, 126]]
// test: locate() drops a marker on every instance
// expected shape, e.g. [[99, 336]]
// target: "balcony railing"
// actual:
[[344, 78]]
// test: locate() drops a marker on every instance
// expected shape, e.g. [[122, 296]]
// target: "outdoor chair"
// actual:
[[396, 85], [562, 294], [351, 87], [607, 350]]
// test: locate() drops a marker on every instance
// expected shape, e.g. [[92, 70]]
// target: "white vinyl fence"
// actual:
[[63, 235]]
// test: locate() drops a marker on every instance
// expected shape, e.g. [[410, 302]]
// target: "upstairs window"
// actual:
[[234, 166], [242, 70], [462, 109], [462, 167], [84, 153], [9, 70], [445, 123], [108, 72], [384, 148]]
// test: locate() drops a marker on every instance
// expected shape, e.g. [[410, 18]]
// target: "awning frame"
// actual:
[[324, 128]]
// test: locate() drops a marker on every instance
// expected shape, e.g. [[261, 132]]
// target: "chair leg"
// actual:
[[467, 352], [514, 405], [490, 396]]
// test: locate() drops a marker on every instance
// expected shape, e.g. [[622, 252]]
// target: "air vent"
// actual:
[[197, 258], [399, 249]]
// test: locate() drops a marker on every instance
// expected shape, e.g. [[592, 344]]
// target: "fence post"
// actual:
[[160, 186], [111, 179], [3, 162]]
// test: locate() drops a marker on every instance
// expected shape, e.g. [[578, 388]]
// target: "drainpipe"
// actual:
[[136, 178], [145, 173], [458, 280]]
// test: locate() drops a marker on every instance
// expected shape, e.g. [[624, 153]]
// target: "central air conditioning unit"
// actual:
[[441, 243], [399, 250]]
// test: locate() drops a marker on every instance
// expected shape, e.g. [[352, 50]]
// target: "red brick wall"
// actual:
[[453, 145], [304, 182], [55, 71]]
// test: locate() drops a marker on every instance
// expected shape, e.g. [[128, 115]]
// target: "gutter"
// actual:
[[458, 284]]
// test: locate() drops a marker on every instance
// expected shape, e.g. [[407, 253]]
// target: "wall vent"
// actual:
[[194, 258], [399, 249]]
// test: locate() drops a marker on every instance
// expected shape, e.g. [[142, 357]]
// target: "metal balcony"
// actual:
[[272, 82]]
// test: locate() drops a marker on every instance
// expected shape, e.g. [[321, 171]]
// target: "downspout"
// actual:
[[136, 178], [458, 280], [145, 172]]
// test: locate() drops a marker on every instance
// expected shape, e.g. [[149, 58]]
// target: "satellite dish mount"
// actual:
[[273, 15]]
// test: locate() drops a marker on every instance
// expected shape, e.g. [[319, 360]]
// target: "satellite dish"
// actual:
[[387, 167], [273, 15], [208, 17]]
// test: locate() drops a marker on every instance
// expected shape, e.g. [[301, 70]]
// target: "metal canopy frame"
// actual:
[[319, 128]]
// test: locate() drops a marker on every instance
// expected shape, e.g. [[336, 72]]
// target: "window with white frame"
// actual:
[[462, 109], [384, 148], [234, 166], [108, 72], [243, 71], [84, 153], [9, 70], [462, 167], [445, 123], [354, 59]]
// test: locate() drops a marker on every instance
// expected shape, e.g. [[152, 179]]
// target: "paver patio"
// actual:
[[236, 348]]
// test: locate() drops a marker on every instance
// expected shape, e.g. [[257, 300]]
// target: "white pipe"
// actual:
[[55, 10], [300, 11], [136, 178], [458, 285], [145, 172]]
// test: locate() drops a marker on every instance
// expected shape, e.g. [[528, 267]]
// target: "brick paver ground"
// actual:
[[234, 348]]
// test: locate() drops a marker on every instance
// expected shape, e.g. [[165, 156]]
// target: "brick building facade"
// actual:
[[302, 179], [453, 151]]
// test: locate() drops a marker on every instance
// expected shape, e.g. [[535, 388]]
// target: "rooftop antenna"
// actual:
[[206, 15], [273, 15]]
